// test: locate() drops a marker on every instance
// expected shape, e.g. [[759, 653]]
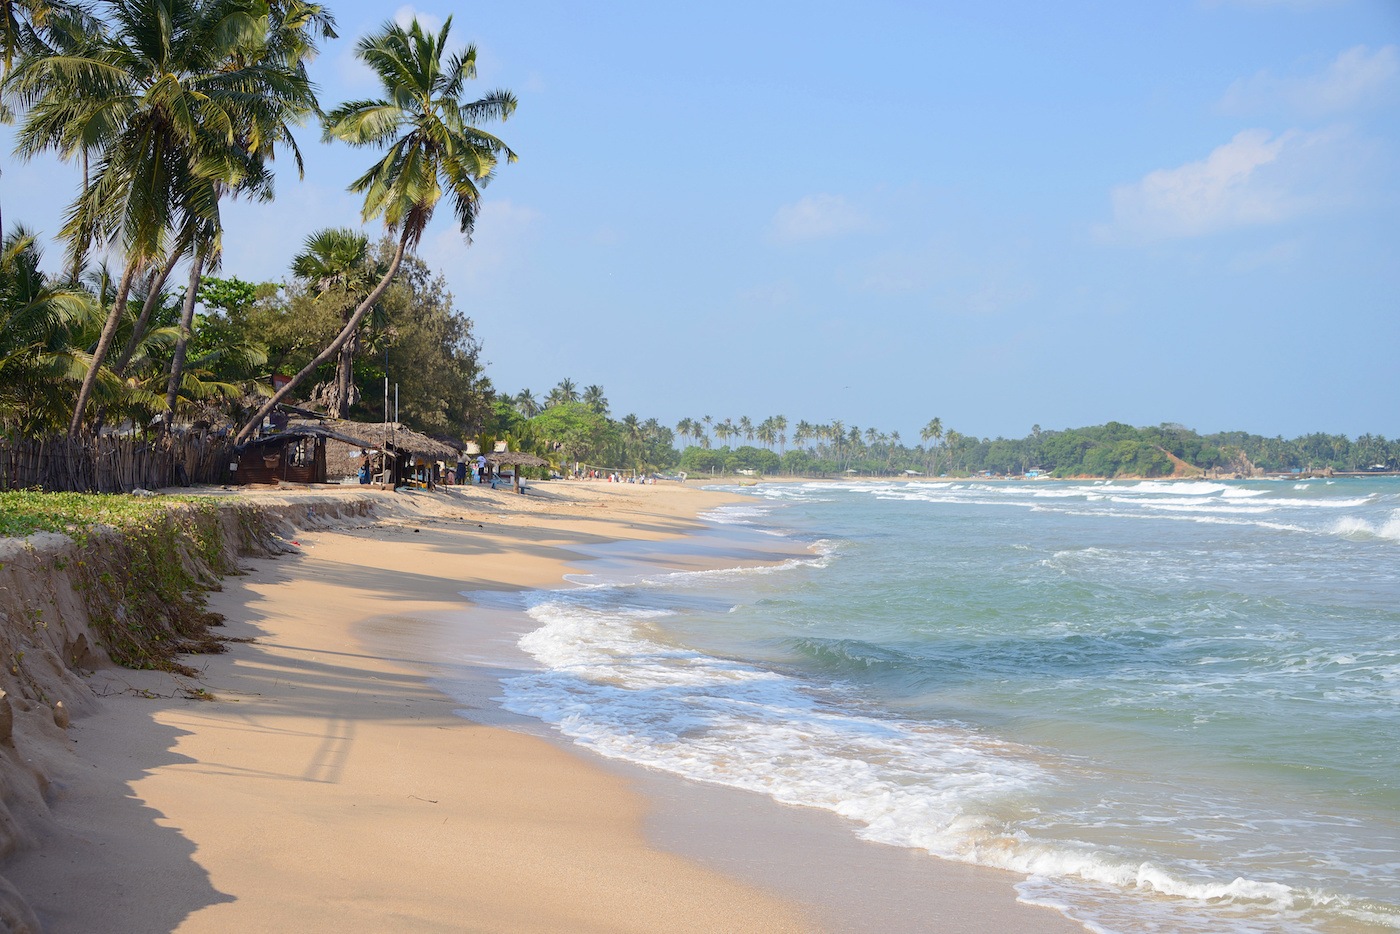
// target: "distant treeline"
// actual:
[[1111, 450], [575, 426]]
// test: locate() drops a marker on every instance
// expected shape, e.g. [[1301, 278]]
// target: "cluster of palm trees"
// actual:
[[832, 441], [565, 391], [821, 448], [170, 107]]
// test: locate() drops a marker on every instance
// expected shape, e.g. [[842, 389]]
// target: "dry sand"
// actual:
[[328, 786]]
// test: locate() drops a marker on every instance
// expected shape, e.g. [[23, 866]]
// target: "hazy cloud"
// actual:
[[499, 241], [405, 15], [1256, 178], [1357, 78], [817, 217]]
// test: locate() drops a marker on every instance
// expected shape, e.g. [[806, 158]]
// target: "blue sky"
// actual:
[[998, 214]]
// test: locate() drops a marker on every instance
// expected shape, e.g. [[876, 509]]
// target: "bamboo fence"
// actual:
[[114, 464]]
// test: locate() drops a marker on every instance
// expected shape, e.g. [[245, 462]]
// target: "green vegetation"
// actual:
[[577, 431], [144, 584], [167, 106], [27, 511]]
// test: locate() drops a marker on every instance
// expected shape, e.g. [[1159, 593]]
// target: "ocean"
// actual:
[[1169, 706]]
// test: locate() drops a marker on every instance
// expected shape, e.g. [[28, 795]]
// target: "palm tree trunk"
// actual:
[[138, 331], [182, 343], [345, 375], [334, 348], [104, 344]]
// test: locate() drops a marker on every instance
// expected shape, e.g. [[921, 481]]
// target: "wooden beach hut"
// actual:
[[296, 454]]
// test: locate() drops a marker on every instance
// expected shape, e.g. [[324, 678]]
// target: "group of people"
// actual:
[[609, 476], [467, 471], [477, 471]]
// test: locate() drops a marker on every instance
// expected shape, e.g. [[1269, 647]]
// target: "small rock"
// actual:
[[61, 716]]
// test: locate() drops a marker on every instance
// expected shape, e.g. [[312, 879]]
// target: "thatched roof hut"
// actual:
[[343, 460], [499, 459], [296, 455]]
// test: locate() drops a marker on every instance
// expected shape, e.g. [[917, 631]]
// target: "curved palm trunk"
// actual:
[[345, 334], [182, 343], [104, 344], [138, 330]]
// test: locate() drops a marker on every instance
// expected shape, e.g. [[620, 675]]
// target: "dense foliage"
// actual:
[[575, 431], [168, 106]]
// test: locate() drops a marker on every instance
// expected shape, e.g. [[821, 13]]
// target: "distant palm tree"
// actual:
[[594, 398], [526, 403], [566, 391], [952, 441], [767, 433], [432, 146], [746, 427], [802, 433], [933, 431]]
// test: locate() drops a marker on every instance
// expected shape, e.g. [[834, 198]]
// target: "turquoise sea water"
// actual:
[[1169, 706]]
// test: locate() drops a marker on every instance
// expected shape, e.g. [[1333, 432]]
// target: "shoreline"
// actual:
[[331, 785]]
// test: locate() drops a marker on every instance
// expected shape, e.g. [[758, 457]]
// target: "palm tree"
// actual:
[[174, 100], [933, 431], [566, 391], [952, 440], [526, 403], [335, 262], [767, 434], [836, 433], [431, 143], [39, 322], [594, 398], [746, 427], [802, 433]]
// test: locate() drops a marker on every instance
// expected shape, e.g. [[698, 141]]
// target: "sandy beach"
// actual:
[[328, 785]]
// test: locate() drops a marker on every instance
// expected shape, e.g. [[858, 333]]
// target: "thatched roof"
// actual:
[[516, 459], [402, 439]]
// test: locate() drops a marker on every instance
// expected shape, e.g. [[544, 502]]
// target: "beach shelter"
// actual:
[[499, 459], [297, 454]]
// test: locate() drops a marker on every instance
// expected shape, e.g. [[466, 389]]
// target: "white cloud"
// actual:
[[1357, 78], [405, 15], [817, 217], [1256, 178]]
